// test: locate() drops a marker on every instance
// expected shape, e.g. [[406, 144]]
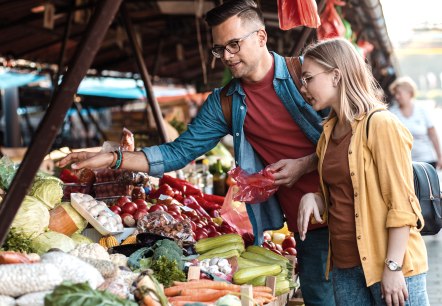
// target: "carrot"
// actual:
[[182, 303], [173, 291], [199, 297], [149, 301]]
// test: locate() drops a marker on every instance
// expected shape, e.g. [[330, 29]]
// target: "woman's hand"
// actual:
[[393, 287], [310, 204], [288, 171], [89, 160]]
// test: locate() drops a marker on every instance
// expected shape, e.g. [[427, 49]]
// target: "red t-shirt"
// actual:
[[274, 135]]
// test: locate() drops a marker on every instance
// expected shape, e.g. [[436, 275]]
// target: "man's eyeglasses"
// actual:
[[232, 47], [306, 80]]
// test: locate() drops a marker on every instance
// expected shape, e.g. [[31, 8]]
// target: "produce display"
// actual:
[[134, 248], [97, 213]]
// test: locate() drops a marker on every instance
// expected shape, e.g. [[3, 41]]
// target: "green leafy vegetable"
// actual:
[[7, 172], [32, 218], [79, 238], [171, 250], [50, 240], [18, 242], [166, 271], [47, 189], [68, 294]]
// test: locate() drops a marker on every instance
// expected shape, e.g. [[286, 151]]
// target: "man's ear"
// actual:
[[262, 37]]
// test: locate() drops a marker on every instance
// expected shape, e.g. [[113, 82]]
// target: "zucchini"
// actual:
[[206, 244], [266, 260], [258, 281], [227, 247], [247, 263], [228, 254], [247, 274], [267, 253]]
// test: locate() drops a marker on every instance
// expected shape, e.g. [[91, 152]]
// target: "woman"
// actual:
[[426, 142], [367, 197]]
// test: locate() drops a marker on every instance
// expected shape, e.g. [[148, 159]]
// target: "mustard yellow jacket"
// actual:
[[382, 178]]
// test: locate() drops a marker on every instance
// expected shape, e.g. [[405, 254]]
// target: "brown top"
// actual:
[[341, 220]]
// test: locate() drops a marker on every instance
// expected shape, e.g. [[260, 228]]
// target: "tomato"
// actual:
[[121, 201], [288, 242], [116, 209], [156, 207], [141, 204], [130, 208], [291, 251]]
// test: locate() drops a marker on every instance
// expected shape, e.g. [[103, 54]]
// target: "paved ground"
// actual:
[[434, 277]]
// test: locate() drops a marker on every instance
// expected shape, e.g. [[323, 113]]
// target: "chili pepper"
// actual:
[[206, 204], [214, 198], [190, 201], [184, 186]]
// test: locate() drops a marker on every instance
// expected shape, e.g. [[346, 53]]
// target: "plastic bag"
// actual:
[[294, 13], [235, 213], [331, 22], [253, 188]]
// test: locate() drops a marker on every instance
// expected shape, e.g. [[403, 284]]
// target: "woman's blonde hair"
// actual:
[[406, 82], [359, 91]]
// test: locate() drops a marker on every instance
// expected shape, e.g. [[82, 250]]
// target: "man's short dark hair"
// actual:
[[244, 9]]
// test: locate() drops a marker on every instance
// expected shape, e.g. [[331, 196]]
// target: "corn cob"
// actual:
[[103, 242], [132, 239], [111, 241]]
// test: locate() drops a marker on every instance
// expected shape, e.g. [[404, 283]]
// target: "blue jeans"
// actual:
[[350, 289], [312, 260]]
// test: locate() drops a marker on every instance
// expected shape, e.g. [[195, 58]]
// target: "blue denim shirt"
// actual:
[[209, 127]]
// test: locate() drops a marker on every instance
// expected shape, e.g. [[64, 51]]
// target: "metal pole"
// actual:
[[51, 122], [12, 122], [67, 32], [144, 74]]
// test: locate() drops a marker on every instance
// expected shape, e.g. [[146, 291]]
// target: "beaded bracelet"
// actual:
[[114, 158], [119, 159]]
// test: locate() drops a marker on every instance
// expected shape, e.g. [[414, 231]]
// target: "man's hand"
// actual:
[[89, 160], [393, 287], [288, 171]]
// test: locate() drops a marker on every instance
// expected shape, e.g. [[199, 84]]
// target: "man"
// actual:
[[271, 125]]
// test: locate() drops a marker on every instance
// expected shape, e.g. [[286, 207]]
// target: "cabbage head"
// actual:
[[49, 240], [47, 189], [79, 221], [32, 218], [79, 238], [228, 300]]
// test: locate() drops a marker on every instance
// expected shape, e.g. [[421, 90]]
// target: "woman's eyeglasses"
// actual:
[[306, 80]]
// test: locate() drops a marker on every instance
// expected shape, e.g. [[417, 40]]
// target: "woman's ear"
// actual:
[[336, 77]]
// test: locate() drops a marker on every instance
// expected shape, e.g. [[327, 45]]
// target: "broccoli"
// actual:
[[169, 244], [170, 254]]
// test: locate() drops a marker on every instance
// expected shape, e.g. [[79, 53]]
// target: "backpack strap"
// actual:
[[294, 68], [367, 127]]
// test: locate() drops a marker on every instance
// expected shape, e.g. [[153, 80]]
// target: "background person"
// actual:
[[271, 123], [367, 195], [426, 146]]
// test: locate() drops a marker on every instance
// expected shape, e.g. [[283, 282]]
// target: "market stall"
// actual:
[[119, 236]]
